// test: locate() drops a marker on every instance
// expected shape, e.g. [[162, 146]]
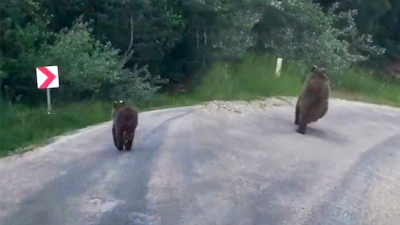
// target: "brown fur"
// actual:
[[124, 125], [312, 103]]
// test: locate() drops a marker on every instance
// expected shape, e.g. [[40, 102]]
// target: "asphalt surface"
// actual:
[[189, 166]]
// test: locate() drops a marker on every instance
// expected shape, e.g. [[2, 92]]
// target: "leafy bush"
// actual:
[[138, 85], [305, 32], [89, 68], [233, 34]]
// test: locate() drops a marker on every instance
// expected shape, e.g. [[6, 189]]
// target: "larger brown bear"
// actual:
[[312, 103], [124, 125]]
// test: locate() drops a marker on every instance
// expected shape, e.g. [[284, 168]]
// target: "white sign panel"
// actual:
[[47, 77]]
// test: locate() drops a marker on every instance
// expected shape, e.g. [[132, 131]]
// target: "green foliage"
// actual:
[[138, 85], [233, 35], [2, 74], [92, 69], [149, 28], [306, 33], [234, 41], [87, 67], [128, 43], [377, 18]]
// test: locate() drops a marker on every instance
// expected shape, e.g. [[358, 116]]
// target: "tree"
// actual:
[[377, 18], [93, 69], [214, 30], [305, 32], [149, 28], [23, 29]]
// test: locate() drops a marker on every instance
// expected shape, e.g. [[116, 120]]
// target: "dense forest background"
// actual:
[[131, 49]]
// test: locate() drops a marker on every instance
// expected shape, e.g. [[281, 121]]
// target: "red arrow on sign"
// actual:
[[50, 77]]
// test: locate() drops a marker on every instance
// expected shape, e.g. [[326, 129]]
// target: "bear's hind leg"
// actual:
[[303, 126], [129, 142], [119, 140], [297, 115], [114, 136], [128, 145]]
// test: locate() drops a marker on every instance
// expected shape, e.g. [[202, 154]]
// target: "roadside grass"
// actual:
[[254, 78], [22, 126], [359, 85]]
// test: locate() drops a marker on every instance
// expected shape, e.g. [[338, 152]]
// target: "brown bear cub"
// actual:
[[312, 103], [124, 126]]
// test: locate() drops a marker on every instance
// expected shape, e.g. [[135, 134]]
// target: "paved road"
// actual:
[[192, 167]]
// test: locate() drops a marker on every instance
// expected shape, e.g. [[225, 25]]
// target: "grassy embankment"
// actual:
[[22, 126]]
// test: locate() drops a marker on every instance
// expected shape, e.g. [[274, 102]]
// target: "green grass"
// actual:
[[357, 84], [255, 78], [251, 79], [22, 126]]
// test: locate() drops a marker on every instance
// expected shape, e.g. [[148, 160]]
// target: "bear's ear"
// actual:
[[313, 68], [122, 103]]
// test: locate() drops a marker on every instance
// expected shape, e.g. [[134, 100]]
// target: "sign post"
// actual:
[[47, 77], [48, 101]]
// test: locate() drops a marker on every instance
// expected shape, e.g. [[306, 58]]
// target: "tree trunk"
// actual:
[[197, 37]]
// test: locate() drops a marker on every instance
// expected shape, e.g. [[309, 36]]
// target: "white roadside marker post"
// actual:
[[278, 67]]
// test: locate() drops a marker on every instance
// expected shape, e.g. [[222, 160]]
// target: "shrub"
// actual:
[[304, 32], [91, 69]]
